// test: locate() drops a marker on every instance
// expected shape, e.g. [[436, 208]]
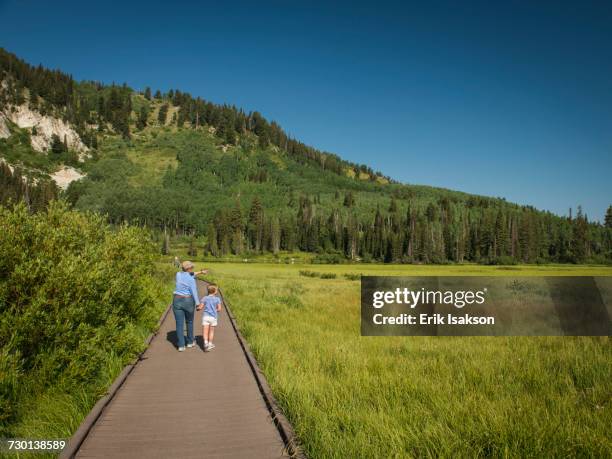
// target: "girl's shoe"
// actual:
[[191, 345], [181, 349], [211, 346]]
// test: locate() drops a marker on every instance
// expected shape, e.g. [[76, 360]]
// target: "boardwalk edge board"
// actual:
[[77, 439], [282, 424]]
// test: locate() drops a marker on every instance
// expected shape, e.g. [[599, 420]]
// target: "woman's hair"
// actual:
[[186, 265], [212, 289]]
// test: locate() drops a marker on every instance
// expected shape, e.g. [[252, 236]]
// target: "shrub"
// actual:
[[307, 273], [72, 295], [503, 260], [328, 259]]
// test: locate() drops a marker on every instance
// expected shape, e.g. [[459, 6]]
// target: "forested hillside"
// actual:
[[236, 183]]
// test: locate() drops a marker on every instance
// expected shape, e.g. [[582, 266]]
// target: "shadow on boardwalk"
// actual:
[[171, 336]]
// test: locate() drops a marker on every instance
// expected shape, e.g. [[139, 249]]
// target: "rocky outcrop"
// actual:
[[65, 176], [4, 130], [3, 161], [46, 126], [62, 177]]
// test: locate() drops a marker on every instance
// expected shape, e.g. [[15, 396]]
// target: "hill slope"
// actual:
[[237, 182]]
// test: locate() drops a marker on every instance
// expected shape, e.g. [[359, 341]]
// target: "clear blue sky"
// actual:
[[510, 100]]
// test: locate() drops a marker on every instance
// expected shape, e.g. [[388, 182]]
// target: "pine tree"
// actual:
[[236, 229], [526, 236], [501, 236], [142, 118], [431, 212], [349, 199], [352, 238], [580, 237], [608, 218], [122, 124], [275, 235], [193, 250], [288, 233], [165, 250], [147, 93], [163, 114], [211, 237], [255, 225], [101, 106], [57, 146], [230, 136], [263, 140]]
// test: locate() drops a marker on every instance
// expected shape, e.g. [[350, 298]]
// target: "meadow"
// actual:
[[353, 396]]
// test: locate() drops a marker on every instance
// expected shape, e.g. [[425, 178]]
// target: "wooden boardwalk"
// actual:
[[189, 404]]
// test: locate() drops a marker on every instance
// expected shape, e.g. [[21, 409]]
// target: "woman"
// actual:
[[184, 303]]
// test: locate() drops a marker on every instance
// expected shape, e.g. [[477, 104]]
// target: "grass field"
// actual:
[[352, 396], [153, 164]]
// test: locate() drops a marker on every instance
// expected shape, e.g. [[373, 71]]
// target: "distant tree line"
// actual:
[[441, 232]]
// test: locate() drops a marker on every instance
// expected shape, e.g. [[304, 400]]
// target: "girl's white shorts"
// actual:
[[209, 320]]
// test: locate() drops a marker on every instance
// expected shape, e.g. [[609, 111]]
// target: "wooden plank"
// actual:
[[187, 404]]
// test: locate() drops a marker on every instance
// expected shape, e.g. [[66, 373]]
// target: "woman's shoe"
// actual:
[[191, 345], [181, 349]]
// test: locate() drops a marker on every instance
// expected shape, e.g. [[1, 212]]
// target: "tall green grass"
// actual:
[[353, 396]]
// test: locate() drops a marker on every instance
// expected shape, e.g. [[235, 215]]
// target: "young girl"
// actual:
[[212, 306]]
